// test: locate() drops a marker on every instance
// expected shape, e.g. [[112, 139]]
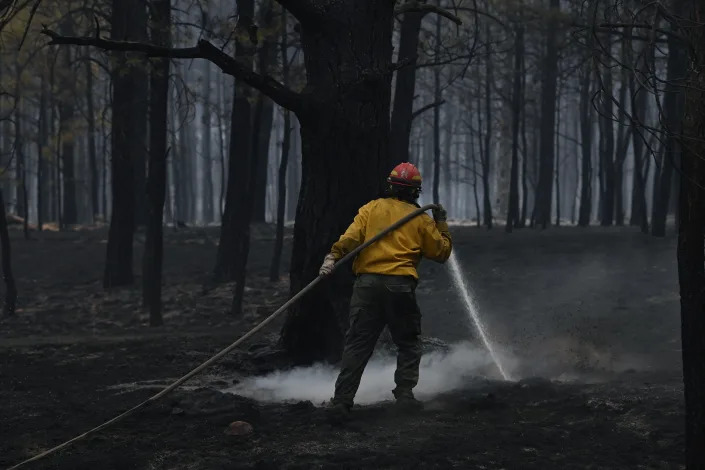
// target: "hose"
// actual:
[[237, 343]]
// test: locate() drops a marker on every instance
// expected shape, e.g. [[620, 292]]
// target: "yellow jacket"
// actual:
[[399, 252]]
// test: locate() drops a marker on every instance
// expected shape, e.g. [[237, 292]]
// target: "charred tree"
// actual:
[[525, 150], [405, 86], [9, 306], [691, 246], [127, 144], [437, 94], [235, 224], [586, 149], [266, 56], [673, 105], [67, 110], [156, 178], [607, 151], [487, 154], [94, 178], [624, 132], [246, 191], [284, 162], [42, 153], [206, 147], [638, 216], [517, 99], [542, 207]]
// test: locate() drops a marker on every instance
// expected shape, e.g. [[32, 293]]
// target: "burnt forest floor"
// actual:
[[585, 320]]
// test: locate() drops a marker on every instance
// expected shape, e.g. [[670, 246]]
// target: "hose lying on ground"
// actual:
[[225, 351]]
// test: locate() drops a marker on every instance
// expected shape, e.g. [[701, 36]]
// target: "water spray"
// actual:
[[473, 312]]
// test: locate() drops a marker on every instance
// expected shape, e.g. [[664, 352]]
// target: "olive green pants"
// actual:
[[378, 301]]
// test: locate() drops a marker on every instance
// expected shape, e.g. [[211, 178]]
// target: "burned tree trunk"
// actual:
[[586, 150], [206, 152], [517, 99], [673, 104], [264, 134], [235, 225], [355, 126], [691, 246], [623, 138], [542, 207], [283, 164], [607, 151], [42, 152], [127, 145], [156, 178], [487, 154], [402, 111], [437, 94], [67, 98], [266, 56], [10, 303], [92, 156]]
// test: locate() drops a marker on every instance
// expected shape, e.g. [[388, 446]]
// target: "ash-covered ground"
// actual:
[[586, 321]]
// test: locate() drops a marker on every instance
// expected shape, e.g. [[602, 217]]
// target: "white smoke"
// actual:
[[439, 373]]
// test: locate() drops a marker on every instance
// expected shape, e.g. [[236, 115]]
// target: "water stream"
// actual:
[[473, 311]]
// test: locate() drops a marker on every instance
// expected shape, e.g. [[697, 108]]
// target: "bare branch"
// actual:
[[425, 8], [280, 94], [29, 22], [420, 111]]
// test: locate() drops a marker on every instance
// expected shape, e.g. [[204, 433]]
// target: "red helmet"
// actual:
[[405, 174]]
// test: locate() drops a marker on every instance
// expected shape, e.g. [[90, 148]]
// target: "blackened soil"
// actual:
[[565, 302]]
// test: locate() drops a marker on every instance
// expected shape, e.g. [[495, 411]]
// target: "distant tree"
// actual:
[[156, 179]]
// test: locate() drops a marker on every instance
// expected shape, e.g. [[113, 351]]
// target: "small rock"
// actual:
[[177, 411], [239, 428]]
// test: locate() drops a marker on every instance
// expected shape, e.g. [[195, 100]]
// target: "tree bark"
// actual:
[[673, 105], [542, 206], [586, 149], [607, 151], [437, 95], [9, 306], [67, 99], [22, 207], [486, 157], [266, 56], [355, 126], [691, 236], [94, 178], [402, 111], [43, 152], [558, 158], [206, 148], [127, 147], [264, 135], [246, 200], [517, 99], [235, 225], [284, 162], [156, 178], [624, 132], [525, 150]]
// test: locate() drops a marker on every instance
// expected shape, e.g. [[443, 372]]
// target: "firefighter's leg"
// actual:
[[404, 320], [366, 324]]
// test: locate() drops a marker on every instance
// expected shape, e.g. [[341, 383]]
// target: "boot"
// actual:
[[337, 413], [407, 402]]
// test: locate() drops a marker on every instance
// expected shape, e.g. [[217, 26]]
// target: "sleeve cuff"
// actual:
[[442, 226]]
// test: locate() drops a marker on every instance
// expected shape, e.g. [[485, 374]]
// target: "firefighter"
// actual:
[[384, 291]]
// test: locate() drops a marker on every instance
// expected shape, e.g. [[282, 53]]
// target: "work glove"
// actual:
[[440, 215], [327, 266]]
